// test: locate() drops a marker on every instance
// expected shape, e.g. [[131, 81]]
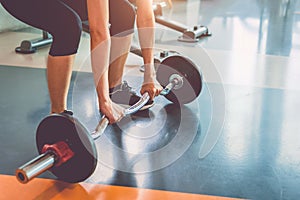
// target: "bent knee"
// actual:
[[66, 37], [122, 18]]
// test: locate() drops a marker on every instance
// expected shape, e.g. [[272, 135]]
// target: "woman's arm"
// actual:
[[146, 31], [98, 16], [145, 25], [98, 12]]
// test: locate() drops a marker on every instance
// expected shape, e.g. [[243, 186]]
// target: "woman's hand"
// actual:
[[150, 85], [153, 88], [112, 111]]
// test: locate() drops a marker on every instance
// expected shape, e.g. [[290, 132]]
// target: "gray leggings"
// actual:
[[63, 19]]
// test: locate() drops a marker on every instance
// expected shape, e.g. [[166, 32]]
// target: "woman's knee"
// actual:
[[122, 17], [131, 15], [66, 37]]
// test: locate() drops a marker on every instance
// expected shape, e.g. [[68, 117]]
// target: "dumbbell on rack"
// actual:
[[189, 34], [31, 46], [66, 147]]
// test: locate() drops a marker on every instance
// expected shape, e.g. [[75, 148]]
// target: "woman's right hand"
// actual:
[[113, 112]]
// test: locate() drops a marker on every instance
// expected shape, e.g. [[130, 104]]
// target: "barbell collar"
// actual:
[[175, 82]]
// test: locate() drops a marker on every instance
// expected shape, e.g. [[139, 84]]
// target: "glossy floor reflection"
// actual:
[[260, 26]]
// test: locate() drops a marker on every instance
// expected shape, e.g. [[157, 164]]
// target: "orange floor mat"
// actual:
[[44, 189]]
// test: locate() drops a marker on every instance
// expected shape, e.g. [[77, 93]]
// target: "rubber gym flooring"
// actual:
[[238, 139]]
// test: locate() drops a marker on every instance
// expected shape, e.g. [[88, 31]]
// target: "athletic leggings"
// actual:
[[63, 19]]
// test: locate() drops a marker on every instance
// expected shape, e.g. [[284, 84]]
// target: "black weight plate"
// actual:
[[64, 127], [192, 80]]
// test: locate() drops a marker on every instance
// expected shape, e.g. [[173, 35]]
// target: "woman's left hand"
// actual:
[[153, 89]]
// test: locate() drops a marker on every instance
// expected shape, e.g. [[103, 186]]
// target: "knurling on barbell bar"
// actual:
[[66, 147]]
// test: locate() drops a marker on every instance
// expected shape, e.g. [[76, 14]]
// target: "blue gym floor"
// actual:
[[240, 138], [254, 156]]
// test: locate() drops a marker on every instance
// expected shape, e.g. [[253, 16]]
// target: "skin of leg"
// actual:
[[120, 47], [59, 70]]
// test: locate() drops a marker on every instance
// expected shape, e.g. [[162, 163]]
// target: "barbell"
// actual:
[[67, 149]]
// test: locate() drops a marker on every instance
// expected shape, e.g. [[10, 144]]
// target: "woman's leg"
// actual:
[[122, 20], [64, 25], [59, 70], [120, 47]]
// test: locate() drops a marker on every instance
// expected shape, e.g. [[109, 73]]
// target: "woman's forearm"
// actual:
[[146, 31], [100, 51], [98, 14]]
